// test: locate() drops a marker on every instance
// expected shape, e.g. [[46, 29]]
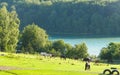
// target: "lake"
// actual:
[[94, 44]]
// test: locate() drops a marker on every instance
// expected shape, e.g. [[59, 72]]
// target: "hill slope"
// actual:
[[21, 64]]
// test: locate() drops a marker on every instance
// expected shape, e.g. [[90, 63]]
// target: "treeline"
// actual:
[[32, 39], [98, 17], [35, 40]]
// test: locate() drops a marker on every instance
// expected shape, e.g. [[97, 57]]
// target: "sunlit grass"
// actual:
[[39, 65]]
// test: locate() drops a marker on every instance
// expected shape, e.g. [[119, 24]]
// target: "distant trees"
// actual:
[[60, 48], [97, 17], [9, 29], [79, 51], [33, 39], [111, 52]]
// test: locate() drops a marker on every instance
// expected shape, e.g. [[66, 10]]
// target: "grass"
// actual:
[[20, 64]]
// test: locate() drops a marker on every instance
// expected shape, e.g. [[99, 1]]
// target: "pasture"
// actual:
[[21, 64]]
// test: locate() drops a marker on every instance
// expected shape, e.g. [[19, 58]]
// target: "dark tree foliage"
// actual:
[[98, 17], [112, 51], [59, 48]]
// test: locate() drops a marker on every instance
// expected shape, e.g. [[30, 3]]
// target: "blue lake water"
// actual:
[[94, 44]]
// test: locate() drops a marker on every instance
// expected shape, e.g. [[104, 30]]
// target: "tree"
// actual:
[[13, 30], [81, 50], [68, 50], [9, 30], [111, 52], [59, 46], [104, 53], [34, 37]]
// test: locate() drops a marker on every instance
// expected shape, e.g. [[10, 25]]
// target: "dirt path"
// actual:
[[8, 68], [15, 68]]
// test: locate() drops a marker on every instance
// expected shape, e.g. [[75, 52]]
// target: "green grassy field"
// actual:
[[20, 64]]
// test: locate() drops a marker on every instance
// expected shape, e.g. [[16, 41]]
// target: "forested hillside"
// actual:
[[98, 17]]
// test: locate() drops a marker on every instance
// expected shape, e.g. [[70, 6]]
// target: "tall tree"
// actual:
[[9, 29], [33, 38]]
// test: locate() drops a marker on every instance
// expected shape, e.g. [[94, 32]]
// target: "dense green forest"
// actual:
[[98, 17]]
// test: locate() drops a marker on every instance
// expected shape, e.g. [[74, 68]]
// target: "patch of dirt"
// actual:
[[15, 68], [9, 68]]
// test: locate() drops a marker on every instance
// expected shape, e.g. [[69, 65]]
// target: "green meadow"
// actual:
[[21, 64]]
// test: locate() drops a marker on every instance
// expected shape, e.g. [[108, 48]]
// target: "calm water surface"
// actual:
[[94, 44]]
